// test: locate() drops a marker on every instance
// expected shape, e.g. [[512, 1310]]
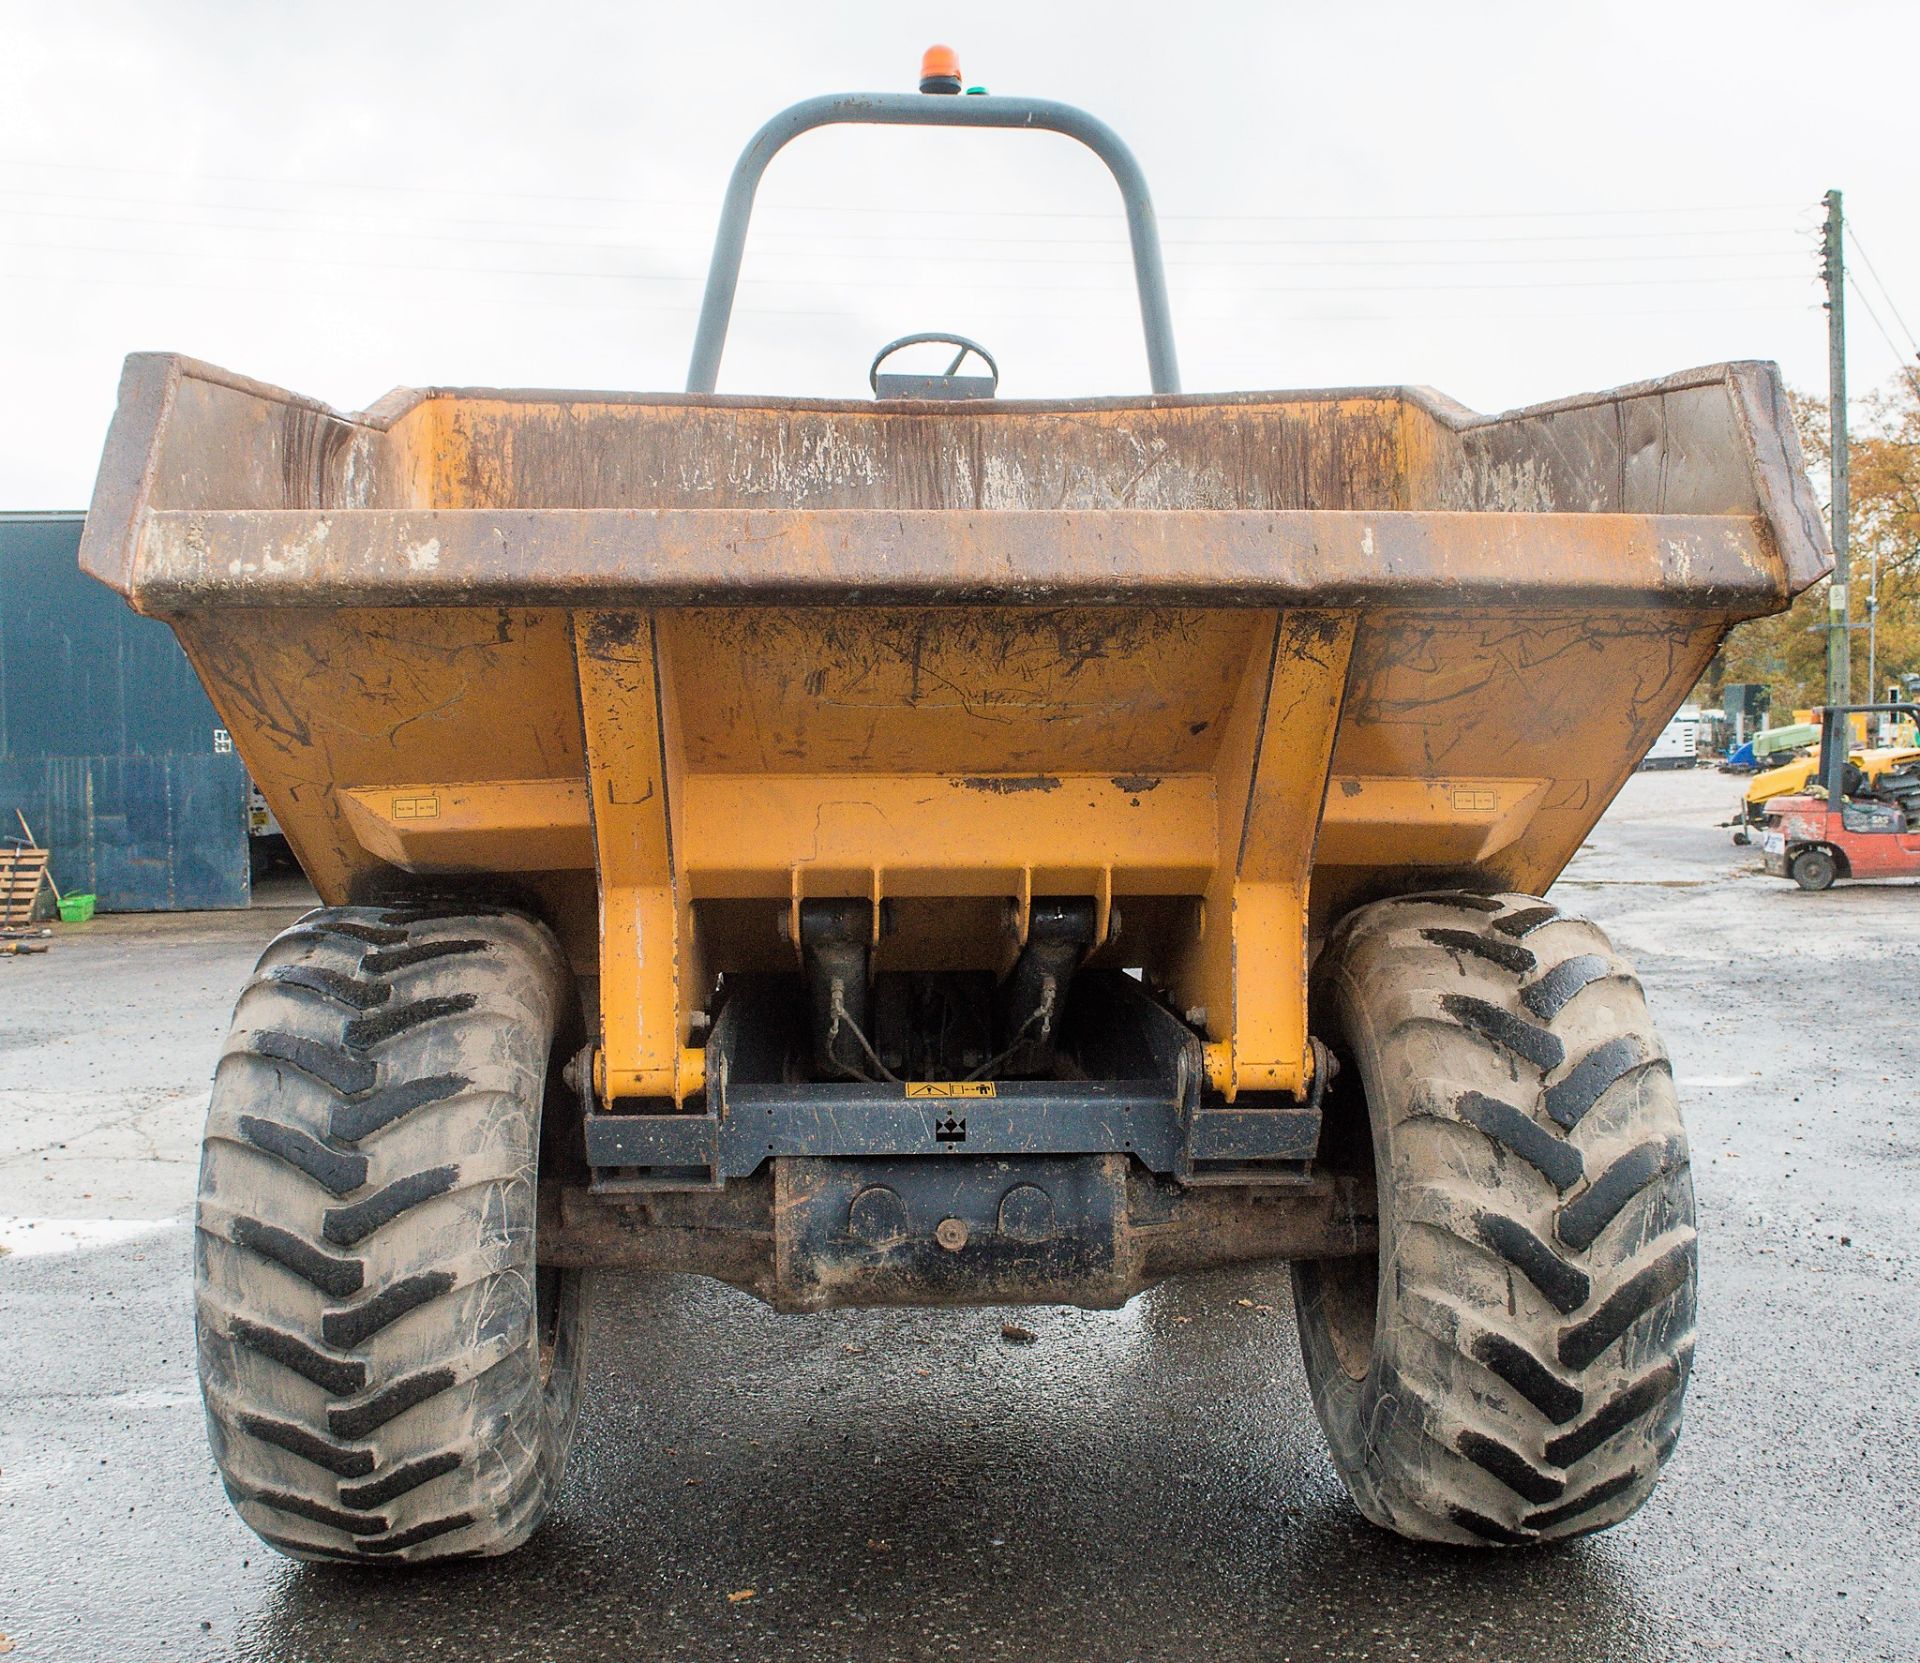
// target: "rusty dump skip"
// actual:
[[673, 666]]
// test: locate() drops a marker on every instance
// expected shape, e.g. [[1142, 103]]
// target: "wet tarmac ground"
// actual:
[[1140, 1484]]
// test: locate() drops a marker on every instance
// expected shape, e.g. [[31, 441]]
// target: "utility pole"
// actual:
[[1839, 620]]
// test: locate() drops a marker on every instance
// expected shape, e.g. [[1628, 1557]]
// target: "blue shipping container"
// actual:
[[108, 745]]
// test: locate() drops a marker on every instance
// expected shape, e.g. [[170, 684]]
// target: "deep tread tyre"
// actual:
[[388, 1374], [1509, 1368]]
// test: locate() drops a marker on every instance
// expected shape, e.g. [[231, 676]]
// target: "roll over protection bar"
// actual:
[[906, 109]]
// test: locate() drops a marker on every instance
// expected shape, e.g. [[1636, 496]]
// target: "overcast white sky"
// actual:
[[1510, 202]]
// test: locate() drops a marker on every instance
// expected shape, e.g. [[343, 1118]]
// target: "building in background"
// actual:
[[108, 746]]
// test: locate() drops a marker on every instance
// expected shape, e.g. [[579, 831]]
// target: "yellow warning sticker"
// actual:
[[952, 1088]]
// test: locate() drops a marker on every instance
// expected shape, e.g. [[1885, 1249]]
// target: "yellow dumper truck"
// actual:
[[942, 850]]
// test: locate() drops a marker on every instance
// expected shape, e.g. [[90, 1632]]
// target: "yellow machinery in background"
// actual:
[[943, 849], [1793, 777]]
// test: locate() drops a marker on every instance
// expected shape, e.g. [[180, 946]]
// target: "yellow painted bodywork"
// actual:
[[672, 782], [1793, 777], [663, 669]]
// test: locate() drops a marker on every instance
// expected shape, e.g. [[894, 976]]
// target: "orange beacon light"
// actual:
[[940, 70]]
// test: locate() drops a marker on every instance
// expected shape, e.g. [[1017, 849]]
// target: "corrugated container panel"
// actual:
[[107, 742]]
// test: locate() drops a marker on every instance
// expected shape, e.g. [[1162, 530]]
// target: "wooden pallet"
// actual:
[[22, 871]]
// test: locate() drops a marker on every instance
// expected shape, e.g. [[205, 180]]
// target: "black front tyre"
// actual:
[[1509, 1367], [1814, 869], [389, 1374]]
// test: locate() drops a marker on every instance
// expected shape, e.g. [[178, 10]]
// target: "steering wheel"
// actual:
[[967, 349]]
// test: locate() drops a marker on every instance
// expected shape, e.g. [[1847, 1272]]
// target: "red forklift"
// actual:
[[1848, 826]]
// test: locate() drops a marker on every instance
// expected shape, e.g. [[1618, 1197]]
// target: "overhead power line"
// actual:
[[390, 187], [1117, 242], [1618, 247], [1906, 366], [347, 263], [1879, 282], [1119, 316], [1103, 254]]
